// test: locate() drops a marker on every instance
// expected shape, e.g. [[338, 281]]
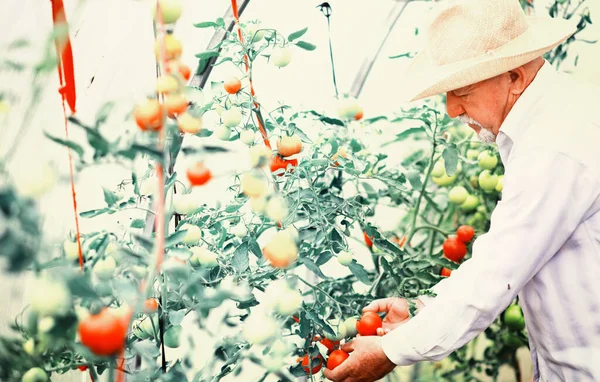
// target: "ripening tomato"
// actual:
[[232, 85], [329, 344], [368, 240], [445, 272], [287, 146], [465, 233], [170, 10], [103, 333], [368, 324], [281, 250], [336, 358], [359, 114], [198, 174], [454, 249], [277, 162], [187, 123], [150, 305], [148, 115], [166, 84], [316, 363], [176, 104], [174, 66], [173, 47]]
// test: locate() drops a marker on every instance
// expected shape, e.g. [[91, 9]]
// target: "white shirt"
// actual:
[[544, 241]]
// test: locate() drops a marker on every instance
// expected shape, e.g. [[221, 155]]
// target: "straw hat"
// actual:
[[473, 40]]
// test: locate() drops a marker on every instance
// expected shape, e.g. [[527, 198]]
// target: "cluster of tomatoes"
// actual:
[[367, 325], [286, 147], [455, 246]]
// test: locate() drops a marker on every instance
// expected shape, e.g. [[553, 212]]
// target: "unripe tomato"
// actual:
[[204, 257], [350, 324], [174, 66], [368, 239], [49, 297], [198, 174], [470, 203], [293, 233], [253, 186], [240, 230], [513, 318], [458, 195], [176, 268], [446, 272], [345, 258], [151, 305], [368, 324], [487, 160], [348, 108], [281, 250], [316, 363], [288, 146], [173, 48], [277, 162], [104, 269], [474, 180], [438, 169], [444, 180], [454, 249], [290, 301], [103, 333], [260, 155], [488, 181], [45, 324], [336, 358], [223, 132], [193, 234], [500, 185], [465, 233], [257, 204], [247, 136], [170, 10], [184, 204], [188, 123], [253, 33], [171, 337], [176, 104], [166, 84], [281, 56], [71, 249], [232, 117], [259, 328], [339, 330], [148, 115], [472, 154], [276, 208], [35, 374], [232, 85], [29, 346]]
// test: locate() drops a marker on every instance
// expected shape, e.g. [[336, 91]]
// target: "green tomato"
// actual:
[[511, 340], [288, 302], [105, 268], [513, 318], [339, 328], [35, 375], [474, 180], [204, 257], [138, 331], [345, 258], [350, 325], [281, 56], [487, 160], [170, 9], [488, 181], [49, 297], [438, 169], [145, 325], [470, 203], [172, 336], [458, 195], [29, 346], [71, 250], [193, 234], [472, 154], [500, 185], [232, 117], [223, 132], [260, 328], [445, 180], [248, 136]]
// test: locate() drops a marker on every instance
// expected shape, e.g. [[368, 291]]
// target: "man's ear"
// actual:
[[518, 80]]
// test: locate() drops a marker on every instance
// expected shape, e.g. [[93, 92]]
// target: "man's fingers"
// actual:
[[381, 305], [348, 347], [341, 373]]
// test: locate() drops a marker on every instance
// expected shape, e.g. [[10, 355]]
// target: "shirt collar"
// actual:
[[512, 127]]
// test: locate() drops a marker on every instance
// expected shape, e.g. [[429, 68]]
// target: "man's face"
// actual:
[[481, 105]]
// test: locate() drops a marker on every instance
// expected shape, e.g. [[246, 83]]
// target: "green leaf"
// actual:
[[312, 266], [297, 34], [175, 238], [337, 241], [319, 321], [104, 112], [80, 285], [233, 207], [175, 317], [240, 259], [72, 145], [360, 272], [254, 247], [450, 156], [324, 257], [92, 213], [206, 24], [408, 132], [138, 223], [147, 349], [414, 178], [110, 197], [207, 54], [305, 45]]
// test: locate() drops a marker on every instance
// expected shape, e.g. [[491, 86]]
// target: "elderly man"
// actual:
[[544, 239]]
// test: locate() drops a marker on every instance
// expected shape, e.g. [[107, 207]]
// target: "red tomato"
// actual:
[[148, 115], [82, 367], [278, 162], [454, 249], [150, 305], [368, 240], [232, 85], [465, 233], [358, 115], [103, 333], [317, 363], [329, 344], [446, 272], [198, 174], [336, 358], [368, 324]]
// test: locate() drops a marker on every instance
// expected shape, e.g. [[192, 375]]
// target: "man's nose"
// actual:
[[453, 106]]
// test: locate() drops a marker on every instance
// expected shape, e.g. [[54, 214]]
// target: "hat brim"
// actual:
[[425, 78]]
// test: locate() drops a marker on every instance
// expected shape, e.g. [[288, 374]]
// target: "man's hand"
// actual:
[[367, 362], [396, 312]]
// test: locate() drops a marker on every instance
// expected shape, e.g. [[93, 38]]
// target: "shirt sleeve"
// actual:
[[545, 197]]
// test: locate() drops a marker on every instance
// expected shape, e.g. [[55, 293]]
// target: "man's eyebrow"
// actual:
[[463, 90]]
